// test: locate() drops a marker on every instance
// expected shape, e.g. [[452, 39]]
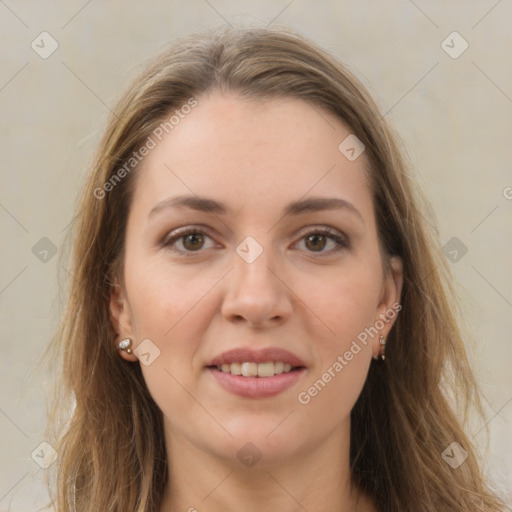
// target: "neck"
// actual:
[[316, 479]]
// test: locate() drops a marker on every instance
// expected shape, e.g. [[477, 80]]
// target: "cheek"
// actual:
[[163, 299], [346, 306], [173, 309], [345, 302], [331, 394], [344, 350], [170, 309]]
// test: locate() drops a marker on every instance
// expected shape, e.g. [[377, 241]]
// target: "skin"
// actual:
[[255, 157]]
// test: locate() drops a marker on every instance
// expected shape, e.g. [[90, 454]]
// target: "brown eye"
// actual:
[[188, 241], [193, 241], [316, 242], [324, 242]]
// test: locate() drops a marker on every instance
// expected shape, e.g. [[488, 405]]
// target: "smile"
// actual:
[[251, 373]]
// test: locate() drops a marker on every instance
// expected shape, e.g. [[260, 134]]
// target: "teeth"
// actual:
[[249, 369], [268, 369], [265, 369], [234, 368]]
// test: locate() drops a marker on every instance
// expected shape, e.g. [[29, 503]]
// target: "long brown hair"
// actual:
[[108, 430]]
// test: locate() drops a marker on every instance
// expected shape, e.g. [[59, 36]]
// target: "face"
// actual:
[[252, 240]]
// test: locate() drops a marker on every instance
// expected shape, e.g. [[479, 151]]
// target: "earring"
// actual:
[[381, 356], [125, 345], [382, 342]]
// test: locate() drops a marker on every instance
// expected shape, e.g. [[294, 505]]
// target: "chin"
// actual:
[[268, 439]]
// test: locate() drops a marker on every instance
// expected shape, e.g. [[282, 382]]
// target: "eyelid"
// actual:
[[184, 230]]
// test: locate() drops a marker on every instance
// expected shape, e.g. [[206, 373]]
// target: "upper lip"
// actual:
[[249, 355]]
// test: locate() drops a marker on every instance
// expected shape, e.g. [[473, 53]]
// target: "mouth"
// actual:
[[257, 373]]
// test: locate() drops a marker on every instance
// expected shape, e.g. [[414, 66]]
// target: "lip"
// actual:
[[257, 387], [248, 355]]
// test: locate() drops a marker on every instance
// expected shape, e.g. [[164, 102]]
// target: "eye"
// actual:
[[318, 240], [188, 240]]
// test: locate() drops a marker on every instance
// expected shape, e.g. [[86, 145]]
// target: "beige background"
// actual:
[[454, 116]]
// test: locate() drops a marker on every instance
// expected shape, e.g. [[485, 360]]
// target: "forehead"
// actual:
[[248, 152]]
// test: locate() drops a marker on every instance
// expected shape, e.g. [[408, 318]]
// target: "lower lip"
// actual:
[[257, 387]]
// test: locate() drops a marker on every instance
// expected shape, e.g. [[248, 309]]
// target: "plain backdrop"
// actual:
[[452, 106]]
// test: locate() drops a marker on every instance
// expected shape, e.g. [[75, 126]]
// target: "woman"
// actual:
[[259, 318]]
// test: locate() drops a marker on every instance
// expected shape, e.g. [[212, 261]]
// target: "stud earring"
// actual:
[[381, 356], [382, 342], [125, 345]]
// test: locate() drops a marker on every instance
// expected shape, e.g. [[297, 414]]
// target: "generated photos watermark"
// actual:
[[304, 397], [151, 142]]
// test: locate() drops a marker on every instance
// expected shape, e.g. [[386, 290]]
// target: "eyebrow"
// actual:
[[207, 205]]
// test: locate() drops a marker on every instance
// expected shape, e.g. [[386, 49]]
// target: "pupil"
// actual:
[[196, 241], [315, 239]]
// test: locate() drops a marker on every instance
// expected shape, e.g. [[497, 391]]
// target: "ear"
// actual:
[[121, 318], [389, 304]]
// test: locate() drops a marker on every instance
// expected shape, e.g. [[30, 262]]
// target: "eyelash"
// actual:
[[341, 241]]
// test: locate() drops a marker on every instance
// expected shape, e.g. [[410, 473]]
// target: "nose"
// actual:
[[256, 294]]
